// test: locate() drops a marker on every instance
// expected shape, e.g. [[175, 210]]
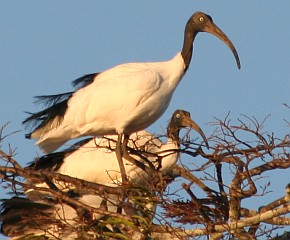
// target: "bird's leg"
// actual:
[[119, 154], [124, 145]]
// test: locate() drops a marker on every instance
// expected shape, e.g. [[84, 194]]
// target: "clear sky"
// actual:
[[44, 45]]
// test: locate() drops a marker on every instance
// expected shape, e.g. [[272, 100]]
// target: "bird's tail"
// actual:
[[51, 144], [21, 216]]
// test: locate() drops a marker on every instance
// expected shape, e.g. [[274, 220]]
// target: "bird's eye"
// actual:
[[177, 115], [201, 19]]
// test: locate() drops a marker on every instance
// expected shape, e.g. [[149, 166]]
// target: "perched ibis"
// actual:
[[22, 218], [121, 100], [94, 160]]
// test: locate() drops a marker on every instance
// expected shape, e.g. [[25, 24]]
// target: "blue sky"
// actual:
[[44, 45]]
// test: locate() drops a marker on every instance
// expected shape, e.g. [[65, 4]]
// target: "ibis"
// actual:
[[47, 218], [94, 160], [121, 100], [22, 218]]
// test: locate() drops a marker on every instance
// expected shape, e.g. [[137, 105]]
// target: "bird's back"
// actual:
[[124, 99]]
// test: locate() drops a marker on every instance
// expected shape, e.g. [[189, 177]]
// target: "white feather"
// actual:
[[123, 99]]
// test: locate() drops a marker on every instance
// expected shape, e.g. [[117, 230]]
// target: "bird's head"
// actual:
[[201, 22], [181, 119]]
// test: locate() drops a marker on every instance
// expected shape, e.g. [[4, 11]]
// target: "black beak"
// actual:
[[192, 124], [216, 31]]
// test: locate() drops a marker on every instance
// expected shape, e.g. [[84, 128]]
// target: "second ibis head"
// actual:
[[181, 119]]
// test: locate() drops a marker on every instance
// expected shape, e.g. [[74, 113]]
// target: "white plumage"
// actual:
[[122, 100], [94, 159], [24, 219], [114, 102]]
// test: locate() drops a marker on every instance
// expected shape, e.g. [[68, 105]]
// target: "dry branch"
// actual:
[[214, 188]]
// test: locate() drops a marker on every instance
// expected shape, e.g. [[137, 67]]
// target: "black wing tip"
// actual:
[[28, 136], [27, 119], [85, 80]]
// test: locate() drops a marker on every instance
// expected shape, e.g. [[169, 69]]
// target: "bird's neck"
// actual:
[[189, 36], [173, 135], [169, 154]]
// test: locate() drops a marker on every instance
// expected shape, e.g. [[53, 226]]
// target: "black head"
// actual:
[[201, 22], [181, 119]]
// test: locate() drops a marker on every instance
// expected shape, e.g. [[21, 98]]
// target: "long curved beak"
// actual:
[[216, 31], [188, 122]]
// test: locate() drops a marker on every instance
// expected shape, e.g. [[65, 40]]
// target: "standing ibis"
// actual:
[[121, 100]]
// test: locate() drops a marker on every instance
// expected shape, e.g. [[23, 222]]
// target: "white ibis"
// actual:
[[94, 159], [122, 100], [90, 160], [22, 218]]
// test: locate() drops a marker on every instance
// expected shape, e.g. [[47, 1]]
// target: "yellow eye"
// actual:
[[201, 19], [177, 115]]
